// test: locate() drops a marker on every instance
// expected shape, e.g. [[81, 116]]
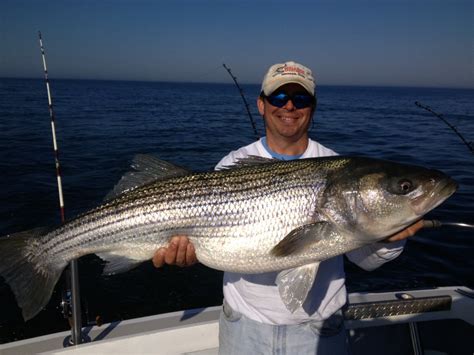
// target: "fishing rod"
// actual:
[[441, 117], [257, 136], [73, 293], [434, 223]]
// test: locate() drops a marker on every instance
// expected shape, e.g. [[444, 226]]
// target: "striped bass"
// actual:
[[262, 215]]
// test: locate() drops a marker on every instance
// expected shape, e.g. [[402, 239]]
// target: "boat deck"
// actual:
[[436, 321]]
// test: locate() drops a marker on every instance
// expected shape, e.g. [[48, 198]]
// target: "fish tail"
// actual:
[[30, 274]]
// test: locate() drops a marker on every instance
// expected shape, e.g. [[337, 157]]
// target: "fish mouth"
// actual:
[[436, 196]]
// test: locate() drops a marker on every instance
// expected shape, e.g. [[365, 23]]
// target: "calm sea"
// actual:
[[101, 125]]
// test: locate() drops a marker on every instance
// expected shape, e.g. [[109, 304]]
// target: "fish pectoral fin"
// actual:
[[300, 238], [120, 262], [147, 169], [117, 264], [294, 285]]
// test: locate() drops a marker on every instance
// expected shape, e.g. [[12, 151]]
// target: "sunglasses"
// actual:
[[281, 98]]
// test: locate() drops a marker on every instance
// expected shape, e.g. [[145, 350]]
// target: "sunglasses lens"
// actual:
[[302, 101], [299, 100], [278, 100]]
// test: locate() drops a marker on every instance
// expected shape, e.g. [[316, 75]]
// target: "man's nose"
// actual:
[[289, 106]]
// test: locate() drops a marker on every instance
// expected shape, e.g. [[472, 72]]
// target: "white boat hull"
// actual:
[[196, 331]]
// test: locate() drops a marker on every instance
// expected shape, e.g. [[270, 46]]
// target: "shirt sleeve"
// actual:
[[226, 161], [230, 159], [372, 256]]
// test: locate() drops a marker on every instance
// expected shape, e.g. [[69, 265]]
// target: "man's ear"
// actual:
[[261, 105]]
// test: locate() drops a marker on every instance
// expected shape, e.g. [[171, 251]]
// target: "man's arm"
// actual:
[[372, 256]]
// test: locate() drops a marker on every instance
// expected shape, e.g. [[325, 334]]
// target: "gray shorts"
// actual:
[[241, 335]]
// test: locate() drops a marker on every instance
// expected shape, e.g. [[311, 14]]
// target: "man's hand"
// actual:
[[180, 252], [407, 232]]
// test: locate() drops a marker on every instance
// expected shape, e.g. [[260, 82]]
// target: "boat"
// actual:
[[427, 321]]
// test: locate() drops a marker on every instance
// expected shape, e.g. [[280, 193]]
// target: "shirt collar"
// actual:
[[277, 155]]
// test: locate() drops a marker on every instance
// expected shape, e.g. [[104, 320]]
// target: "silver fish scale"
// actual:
[[233, 217]]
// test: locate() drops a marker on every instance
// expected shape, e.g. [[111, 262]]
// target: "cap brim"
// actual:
[[277, 84]]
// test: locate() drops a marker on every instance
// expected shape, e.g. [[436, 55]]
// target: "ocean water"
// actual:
[[101, 125]]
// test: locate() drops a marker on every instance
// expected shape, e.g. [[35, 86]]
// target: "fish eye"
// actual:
[[405, 186]]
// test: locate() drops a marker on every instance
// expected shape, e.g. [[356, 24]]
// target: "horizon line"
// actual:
[[243, 83]]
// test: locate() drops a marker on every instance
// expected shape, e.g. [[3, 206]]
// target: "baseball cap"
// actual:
[[286, 73]]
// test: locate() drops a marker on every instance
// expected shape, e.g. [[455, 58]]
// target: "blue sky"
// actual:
[[378, 42]]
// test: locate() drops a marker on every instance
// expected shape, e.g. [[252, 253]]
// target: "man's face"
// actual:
[[287, 122]]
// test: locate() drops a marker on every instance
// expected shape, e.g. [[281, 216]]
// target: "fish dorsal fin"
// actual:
[[300, 238], [250, 160], [147, 168], [294, 285]]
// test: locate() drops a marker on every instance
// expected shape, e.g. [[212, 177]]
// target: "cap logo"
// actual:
[[284, 70]]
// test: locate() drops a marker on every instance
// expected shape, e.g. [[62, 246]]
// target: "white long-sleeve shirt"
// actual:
[[256, 296]]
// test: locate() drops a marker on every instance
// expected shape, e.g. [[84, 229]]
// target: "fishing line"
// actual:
[[436, 223], [441, 117], [75, 299], [257, 136]]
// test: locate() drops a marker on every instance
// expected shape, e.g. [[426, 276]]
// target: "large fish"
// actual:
[[263, 215]]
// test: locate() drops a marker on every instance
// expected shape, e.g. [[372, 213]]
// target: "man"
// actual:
[[254, 319]]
